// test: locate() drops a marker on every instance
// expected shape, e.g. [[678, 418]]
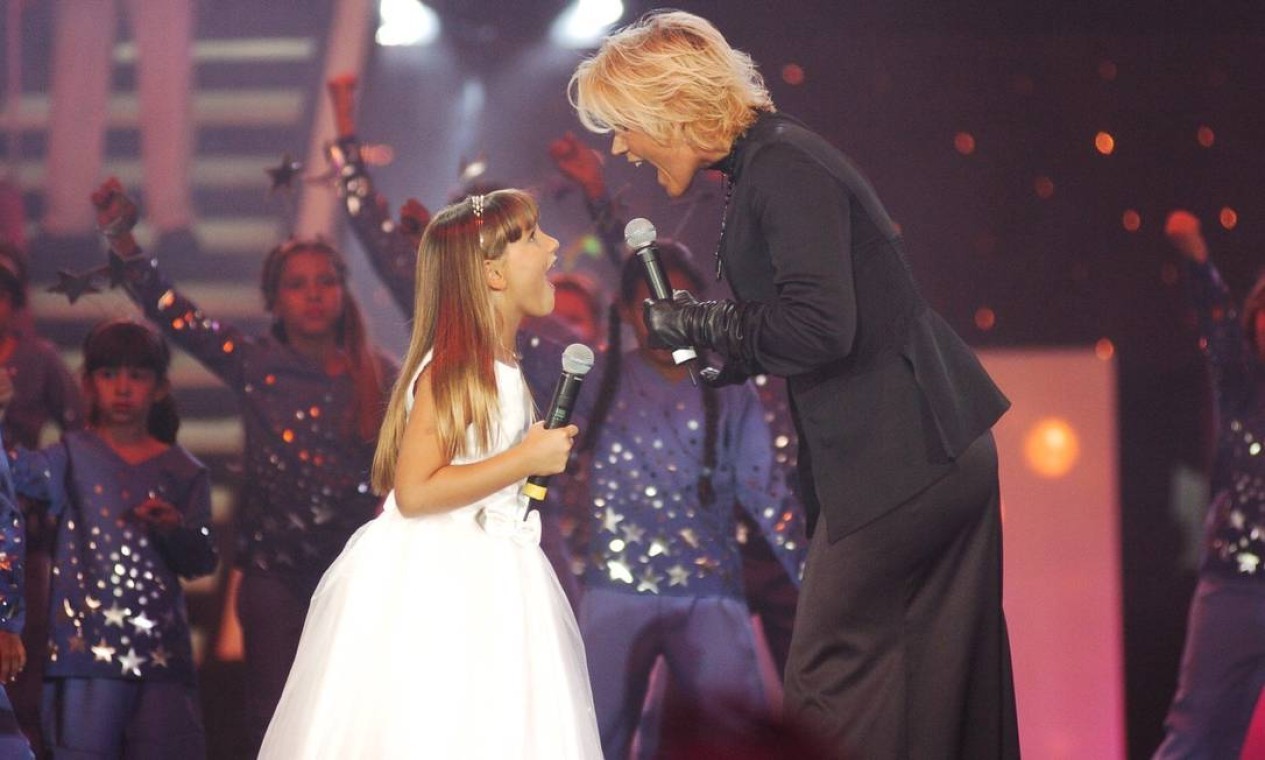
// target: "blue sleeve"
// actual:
[[1221, 336], [12, 554], [41, 475], [219, 347], [759, 483], [190, 548]]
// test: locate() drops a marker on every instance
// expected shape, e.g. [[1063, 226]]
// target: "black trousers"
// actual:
[[900, 647], [272, 614]]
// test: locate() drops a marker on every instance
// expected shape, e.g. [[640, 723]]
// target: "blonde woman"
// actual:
[[900, 645], [441, 630]]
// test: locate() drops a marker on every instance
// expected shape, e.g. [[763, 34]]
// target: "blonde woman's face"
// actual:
[[523, 274], [676, 162]]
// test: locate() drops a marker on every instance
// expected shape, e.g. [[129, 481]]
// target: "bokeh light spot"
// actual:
[[1051, 447], [1105, 143], [985, 318]]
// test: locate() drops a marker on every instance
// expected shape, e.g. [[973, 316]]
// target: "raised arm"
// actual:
[[218, 346], [1222, 338], [391, 247], [583, 166]]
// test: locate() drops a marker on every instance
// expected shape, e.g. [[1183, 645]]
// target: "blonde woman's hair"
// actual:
[[671, 75], [454, 320]]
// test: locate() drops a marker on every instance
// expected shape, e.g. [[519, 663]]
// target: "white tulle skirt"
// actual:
[[444, 636]]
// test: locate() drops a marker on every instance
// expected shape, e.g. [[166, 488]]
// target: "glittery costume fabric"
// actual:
[[444, 635], [1223, 662], [12, 743], [306, 477], [1236, 521], [117, 607], [649, 531]]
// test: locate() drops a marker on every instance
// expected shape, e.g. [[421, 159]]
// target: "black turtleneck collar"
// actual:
[[729, 164]]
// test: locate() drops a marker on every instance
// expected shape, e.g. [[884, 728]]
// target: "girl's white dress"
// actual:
[[444, 636]]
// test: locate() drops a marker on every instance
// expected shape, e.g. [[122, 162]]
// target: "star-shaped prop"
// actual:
[[74, 285], [283, 174]]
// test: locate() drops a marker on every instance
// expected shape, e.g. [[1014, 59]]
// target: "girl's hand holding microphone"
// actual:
[[547, 449]]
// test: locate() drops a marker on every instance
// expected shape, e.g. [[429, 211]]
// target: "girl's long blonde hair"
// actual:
[[455, 322], [670, 76]]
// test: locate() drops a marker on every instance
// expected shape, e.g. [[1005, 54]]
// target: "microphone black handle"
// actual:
[[560, 407], [661, 290]]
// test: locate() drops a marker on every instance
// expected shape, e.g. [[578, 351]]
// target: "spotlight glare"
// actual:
[[406, 22], [584, 22]]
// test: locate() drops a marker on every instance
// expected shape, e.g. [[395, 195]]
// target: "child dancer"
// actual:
[[663, 573], [441, 630], [311, 395], [135, 513], [40, 390], [12, 611]]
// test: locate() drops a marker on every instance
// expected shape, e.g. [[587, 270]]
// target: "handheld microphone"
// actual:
[[577, 360], [640, 235]]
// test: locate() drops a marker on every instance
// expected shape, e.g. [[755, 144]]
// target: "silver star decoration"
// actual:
[[1248, 562], [612, 520], [690, 537], [658, 546], [159, 656], [115, 615], [632, 533], [649, 581], [143, 624], [103, 652], [618, 569], [678, 575], [131, 662]]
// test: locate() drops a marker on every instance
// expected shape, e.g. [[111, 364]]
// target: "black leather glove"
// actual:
[[685, 322]]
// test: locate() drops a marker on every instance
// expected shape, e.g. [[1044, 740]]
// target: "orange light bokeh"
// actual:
[[1051, 447], [1205, 136], [1104, 349], [793, 74], [985, 318], [1229, 218], [1131, 220], [1105, 143]]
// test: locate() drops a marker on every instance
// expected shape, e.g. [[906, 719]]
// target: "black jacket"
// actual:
[[884, 394]]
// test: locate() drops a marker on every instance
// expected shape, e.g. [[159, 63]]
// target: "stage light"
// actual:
[[584, 22], [406, 22], [1051, 447]]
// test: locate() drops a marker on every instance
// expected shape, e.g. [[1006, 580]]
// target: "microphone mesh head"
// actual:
[[639, 233], [577, 359]]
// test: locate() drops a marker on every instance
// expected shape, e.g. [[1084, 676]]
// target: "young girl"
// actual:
[[441, 630], [40, 389], [663, 574], [311, 395], [135, 514]]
